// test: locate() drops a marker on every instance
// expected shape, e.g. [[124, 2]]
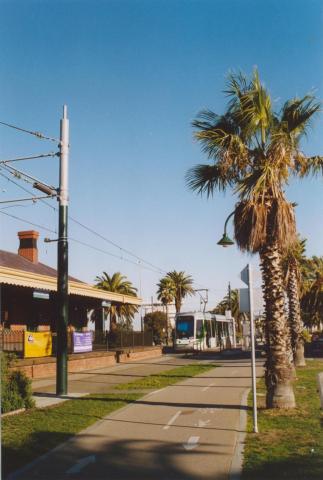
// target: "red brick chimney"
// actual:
[[28, 245]]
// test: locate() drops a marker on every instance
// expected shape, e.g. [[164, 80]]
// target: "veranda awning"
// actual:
[[23, 278]]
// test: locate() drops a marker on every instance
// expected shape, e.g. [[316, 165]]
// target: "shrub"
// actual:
[[306, 336], [157, 322], [15, 387]]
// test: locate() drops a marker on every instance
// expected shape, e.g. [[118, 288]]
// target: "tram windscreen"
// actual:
[[184, 326]]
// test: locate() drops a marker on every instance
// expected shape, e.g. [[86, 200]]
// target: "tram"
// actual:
[[203, 330]]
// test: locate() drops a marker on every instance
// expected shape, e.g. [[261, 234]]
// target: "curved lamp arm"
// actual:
[[225, 240]]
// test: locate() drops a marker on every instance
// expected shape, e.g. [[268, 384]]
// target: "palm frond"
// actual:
[[305, 166], [297, 114], [250, 107], [261, 183], [218, 135], [206, 179]]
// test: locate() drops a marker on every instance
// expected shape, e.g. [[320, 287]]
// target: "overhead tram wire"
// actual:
[[42, 227], [44, 137], [27, 191], [31, 132], [23, 175], [91, 230], [154, 268], [160, 270], [30, 157], [27, 221]]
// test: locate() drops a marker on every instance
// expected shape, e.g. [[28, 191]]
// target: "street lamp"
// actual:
[[226, 240]]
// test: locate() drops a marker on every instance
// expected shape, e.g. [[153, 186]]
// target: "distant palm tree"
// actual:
[[118, 283], [312, 298], [254, 151], [293, 262], [166, 294], [230, 303], [180, 285]]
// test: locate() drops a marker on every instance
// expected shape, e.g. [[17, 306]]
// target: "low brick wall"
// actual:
[[46, 367], [133, 355], [78, 362]]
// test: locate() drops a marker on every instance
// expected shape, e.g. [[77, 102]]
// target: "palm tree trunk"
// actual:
[[279, 371], [113, 319], [178, 303], [295, 321], [167, 326]]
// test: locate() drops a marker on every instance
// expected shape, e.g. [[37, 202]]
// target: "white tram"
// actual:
[[200, 331]]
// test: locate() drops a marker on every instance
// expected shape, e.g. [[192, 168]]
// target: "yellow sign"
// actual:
[[37, 344]]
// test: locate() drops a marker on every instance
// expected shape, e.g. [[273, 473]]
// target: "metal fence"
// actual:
[[132, 339], [12, 341]]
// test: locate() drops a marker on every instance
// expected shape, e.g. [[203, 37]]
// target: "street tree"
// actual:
[[118, 283], [157, 322], [182, 286], [293, 262], [230, 302], [312, 297], [166, 294], [254, 151]]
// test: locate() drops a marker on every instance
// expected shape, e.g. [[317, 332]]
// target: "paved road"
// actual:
[[184, 432]]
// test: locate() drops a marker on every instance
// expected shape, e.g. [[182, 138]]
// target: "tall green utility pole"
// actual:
[[62, 260]]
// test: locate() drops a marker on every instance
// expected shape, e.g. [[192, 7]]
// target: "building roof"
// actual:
[[16, 270], [18, 262]]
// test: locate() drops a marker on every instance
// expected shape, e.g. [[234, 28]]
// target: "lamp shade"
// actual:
[[225, 241]]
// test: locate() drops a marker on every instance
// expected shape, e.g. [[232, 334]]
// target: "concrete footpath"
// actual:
[[103, 380], [188, 431]]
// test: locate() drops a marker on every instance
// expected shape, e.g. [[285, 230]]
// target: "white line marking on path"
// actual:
[[204, 389], [172, 420], [202, 423], [192, 443], [80, 464], [156, 391]]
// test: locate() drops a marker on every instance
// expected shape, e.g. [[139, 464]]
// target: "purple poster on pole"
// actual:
[[82, 342]]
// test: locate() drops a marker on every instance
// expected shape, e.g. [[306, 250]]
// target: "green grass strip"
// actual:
[[31, 434], [164, 379], [290, 443]]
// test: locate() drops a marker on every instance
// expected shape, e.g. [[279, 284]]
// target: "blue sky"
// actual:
[[134, 74]]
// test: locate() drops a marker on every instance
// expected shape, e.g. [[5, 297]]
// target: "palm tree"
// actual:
[[254, 151], [312, 297], [166, 294], [181, 286], [230, 302], [118, 283], [293, 262]]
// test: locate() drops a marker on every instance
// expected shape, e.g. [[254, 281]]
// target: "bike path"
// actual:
[[187, 431]]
